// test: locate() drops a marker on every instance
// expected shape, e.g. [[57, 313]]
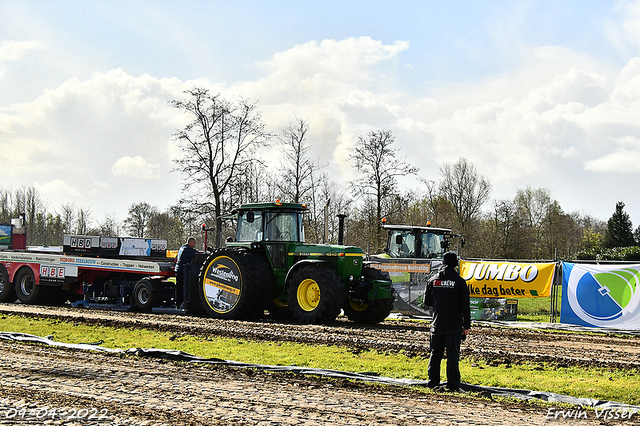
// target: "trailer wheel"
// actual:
[[25, 286], [235, 284], [373, 311], [315, 295], [144, 295], [7, 291]]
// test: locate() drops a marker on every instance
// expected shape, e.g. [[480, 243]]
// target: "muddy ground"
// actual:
[[129, 390], [496, 345]]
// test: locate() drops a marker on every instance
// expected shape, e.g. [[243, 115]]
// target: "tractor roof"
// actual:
[[274, 206], [417, 228]]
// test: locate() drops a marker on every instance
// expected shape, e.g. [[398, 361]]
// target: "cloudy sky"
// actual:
[[533, 93]]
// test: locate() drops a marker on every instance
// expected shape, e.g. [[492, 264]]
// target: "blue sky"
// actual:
[[536, 93]]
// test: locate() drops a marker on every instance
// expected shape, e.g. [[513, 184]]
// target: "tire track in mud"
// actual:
[[495, 345]]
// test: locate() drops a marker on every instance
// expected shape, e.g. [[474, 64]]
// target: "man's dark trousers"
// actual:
[[438, 344]]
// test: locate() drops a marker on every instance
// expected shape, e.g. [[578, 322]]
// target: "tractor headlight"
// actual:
[[350, 277]]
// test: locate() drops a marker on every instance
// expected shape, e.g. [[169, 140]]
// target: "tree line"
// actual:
[[222, 168]]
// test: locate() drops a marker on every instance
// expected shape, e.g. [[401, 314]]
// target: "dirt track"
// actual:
[[494, 344], [127, 390]]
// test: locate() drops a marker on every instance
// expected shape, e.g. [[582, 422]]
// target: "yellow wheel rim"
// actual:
[[358, 306], [308, 295]]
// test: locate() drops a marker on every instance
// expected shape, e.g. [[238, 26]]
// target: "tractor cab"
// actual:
[[424, 242], [270, 222]]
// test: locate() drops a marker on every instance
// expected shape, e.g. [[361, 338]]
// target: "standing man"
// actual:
[[448, 294], [183, 260]]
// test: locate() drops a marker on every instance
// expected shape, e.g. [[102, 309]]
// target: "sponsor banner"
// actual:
[[84, 262], [486, 309], [403, 265], [507, 279], [601, 295], [5, 235]]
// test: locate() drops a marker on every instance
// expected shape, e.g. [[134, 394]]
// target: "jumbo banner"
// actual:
[[507, 279], [601, 295]]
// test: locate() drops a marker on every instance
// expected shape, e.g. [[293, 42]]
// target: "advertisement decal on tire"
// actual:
[[222, 284]]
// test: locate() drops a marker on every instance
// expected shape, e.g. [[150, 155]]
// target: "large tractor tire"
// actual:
[[7, 291], [26, 289], [315, 295], [373, 311], [235, 284]]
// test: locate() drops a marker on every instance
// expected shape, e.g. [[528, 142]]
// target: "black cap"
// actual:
[[450, 259]]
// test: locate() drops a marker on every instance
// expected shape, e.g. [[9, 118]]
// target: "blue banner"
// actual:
[[601, 295]]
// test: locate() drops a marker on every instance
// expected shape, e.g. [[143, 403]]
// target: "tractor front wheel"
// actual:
[[372, 311], [315, 295]]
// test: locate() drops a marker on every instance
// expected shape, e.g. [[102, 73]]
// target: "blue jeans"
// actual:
[[438, 343]]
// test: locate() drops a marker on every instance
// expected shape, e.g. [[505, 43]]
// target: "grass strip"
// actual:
[[598, 383]]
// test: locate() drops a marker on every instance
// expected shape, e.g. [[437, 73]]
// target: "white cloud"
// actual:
[[136, 167], [58, 189], [14, 50], [624, 159]]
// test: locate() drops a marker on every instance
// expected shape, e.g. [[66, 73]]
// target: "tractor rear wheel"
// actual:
[[7, 291], [315, 295], [235, 284], [372, 311]]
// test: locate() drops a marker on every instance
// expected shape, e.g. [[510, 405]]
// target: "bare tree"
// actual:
[[375, 158], [109, 227], [68, 216], [297, 176], [217, 145], [137, 223], [83, 220], [465, 189]]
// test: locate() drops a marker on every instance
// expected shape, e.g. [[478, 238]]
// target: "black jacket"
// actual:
[[185, 256], [448, 294]]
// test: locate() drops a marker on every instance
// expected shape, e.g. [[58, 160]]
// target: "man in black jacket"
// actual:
[[448, 294], [182, 268]]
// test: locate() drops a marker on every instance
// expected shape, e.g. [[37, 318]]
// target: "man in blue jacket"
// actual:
[[448, 294], [183, 260]]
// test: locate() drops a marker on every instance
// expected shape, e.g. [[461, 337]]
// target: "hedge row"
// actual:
[[617, 253]]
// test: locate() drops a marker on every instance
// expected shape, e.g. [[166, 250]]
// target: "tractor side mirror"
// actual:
[[399, 239], [250, 217]]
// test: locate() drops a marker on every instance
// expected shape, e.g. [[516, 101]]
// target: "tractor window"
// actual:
[[249, 226], [283, 226], [402, 244], [431, 245]]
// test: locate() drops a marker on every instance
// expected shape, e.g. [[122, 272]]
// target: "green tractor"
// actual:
[[269, 267]]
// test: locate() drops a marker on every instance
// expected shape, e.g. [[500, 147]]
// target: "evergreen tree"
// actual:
[[619, 229]]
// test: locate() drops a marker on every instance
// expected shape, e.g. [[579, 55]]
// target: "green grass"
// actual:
[[580, 382], [536, 309]]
